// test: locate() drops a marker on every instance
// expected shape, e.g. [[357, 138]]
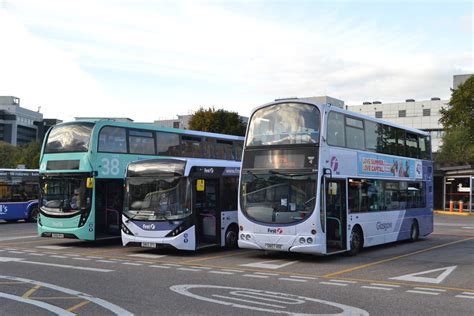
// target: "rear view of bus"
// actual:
[[320, 179]]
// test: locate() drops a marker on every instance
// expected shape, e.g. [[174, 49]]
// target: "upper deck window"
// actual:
[[283, 124], [113, 139], [69, 138]]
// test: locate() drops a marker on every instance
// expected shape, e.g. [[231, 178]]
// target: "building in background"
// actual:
[[18, 125]]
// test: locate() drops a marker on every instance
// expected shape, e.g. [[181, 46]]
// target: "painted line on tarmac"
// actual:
[[51, 308], [16, 238], [394, 258], [376, 288], [422, 292], [105, 304]]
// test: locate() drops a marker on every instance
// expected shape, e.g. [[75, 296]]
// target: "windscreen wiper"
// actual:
[[289, 174]]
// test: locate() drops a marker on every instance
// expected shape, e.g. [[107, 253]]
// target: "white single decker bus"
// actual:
[[186, 203], [319, 179]]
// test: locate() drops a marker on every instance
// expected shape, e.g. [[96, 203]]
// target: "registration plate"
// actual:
[[149, 244], [273, 246], [57, 235]]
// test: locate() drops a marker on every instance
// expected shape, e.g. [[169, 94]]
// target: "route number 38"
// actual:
[[110, 166]]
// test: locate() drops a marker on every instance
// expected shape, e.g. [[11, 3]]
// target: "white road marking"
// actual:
[[203, 268], [146, 255], [266, 273], [415, 277], [71, 255], [172, 265], [145, 262], [376, 288], [189, 269], [52, 247], [58, 256], [231, 270], [248, 301], [468, 293], [20, 237], [303, 277], [106, 261], [16, 252], [256, 276], [37, 254], [81, 259], [468, 227], [63, 266], [9, 259], [131, 264], [94, 257], [270, 264], [465, 296], [383, 284], [332, 283], [220, 272], [257, 300], [423, 292], [158, 266], [107, 305], [429, 289], [343, 281], [50, 308], [293, 280]]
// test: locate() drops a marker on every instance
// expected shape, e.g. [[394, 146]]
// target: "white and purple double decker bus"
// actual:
[[319, 179]]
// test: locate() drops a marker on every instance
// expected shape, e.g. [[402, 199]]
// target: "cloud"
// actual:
[[188, 53]]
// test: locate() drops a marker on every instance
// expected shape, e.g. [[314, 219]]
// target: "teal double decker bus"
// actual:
[[82, 169]]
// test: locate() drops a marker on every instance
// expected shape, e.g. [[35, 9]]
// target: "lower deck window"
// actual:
[[370, 195]]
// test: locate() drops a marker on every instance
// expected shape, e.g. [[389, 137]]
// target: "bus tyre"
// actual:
[[356, 241], [414, 231], [33, 215], [231, 237]]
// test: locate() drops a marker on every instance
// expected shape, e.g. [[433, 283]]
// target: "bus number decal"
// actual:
[[110, 166]]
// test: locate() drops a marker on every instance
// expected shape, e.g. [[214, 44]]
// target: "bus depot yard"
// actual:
[[61, 276]]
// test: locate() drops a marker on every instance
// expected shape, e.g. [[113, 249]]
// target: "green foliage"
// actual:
[[458, 122], [28, 155], [220, 121]]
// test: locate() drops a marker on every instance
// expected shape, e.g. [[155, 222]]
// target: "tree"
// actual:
[[28, 155], [7, 155], [220, 121], [458, 123]]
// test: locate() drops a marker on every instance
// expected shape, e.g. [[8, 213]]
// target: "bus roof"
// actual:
[[327, 106], [150, 126]]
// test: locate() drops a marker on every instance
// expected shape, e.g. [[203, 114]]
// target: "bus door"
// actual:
[[108, 207], [336, 214], [206, 212]]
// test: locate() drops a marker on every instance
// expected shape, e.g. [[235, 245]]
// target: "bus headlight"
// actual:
[[242, 236], [309, 240], [248, 236], [302, 240], [126, 230]]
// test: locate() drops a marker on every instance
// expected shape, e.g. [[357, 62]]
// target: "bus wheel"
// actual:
[[415, 231], [356, 241], [231, 236], [33, 215]]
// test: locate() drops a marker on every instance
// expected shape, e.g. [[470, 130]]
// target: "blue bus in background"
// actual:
[[19, 190]]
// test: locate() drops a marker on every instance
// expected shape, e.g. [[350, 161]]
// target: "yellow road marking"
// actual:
[[39, 298], [394, 258], [12, 282], [31, 291], [73, 308]]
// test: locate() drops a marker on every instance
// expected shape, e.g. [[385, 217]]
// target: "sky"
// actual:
[[150, 60]]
